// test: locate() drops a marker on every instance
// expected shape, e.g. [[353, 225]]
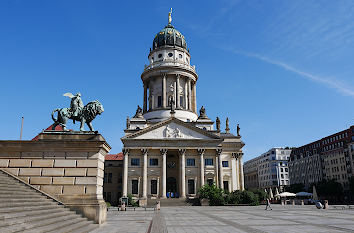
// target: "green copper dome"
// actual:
[[169, 36]]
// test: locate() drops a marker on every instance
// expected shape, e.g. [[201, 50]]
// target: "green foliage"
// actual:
[[214, 194], [351, 185], [329, 188], [108, 204], [295, 188], [131, 202], [217, 196], [261, 194]]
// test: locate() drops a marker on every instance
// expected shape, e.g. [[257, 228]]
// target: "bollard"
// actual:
[[282, 202], [293, 202], [158, 206], [302, 202], [122, 207], [325, 205]]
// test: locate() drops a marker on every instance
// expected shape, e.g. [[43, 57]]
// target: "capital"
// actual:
[[201, 151], [163, 151], [218, 151], [182, 151], [144, 151], [125, 151]]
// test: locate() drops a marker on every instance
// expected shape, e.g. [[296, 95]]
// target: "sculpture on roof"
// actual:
[[171, 103], [227, 129], [138, 113], [238, 129], [77, 112], [217, 124], [170, 17], [128, 122]]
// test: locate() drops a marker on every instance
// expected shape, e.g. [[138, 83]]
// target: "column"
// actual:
[[242, 182], [182, 153], [220, 169], [201, 154], [189, 95], [195, 97], [164, 99], [164, 172], [145, 98], [216, 171], [125, 173], [234, 171], [185, 95], [145, 153], [177, 92], [150, 98]]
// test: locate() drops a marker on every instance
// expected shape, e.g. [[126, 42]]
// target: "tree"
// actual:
[[329, 188], [213, 194], [295, 188]]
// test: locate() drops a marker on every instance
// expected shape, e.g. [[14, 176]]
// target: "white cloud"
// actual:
[[332, 83]]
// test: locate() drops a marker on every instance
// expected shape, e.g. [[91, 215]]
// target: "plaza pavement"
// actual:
[[230, 219]]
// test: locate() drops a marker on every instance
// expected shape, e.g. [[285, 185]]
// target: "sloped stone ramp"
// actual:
[[26, 209]]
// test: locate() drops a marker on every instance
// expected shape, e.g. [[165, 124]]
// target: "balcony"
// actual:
[[168, 63]]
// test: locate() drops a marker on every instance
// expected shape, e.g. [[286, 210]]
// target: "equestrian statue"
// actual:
[[77, 112]]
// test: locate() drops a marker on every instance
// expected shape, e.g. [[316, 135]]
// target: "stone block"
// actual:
[[9, 154], [74, 189], [31, 155], [95, 172], [20, 163], [52, 189], [64, 163], [54, 154], [75, 171], [87, 163], [30, 172], [86, 180], [63, 180], [42, 162], [77, 155], [13, 171], [98, 156], [41, 180], [24, 178], [4, 162], [91, 189], [52, 171], [100, 165], [36, 186]]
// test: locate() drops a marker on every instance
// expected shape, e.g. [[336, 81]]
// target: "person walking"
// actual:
[[268, 204]]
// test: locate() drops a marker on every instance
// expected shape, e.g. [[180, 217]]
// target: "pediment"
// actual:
[[173, 129]]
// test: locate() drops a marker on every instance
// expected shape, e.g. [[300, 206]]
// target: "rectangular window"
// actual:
[[191, 162], [191, 189], [225, 163], [135, 162], [226, 185], [159, 101], [109, 177], [134, 186], [153, 186], [210, 182], [209, 162], [154, 162]]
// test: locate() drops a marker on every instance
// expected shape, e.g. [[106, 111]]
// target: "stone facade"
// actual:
[[113, 178], [66, 165]]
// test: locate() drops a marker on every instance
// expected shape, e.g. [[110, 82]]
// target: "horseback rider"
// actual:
[[76, 105]]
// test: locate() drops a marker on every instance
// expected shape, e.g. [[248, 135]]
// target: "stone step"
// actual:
[[38, 226], [31, 199], [25, 203], [27, 208], [16, 189], [35, 217], [21, 196], [79, 227], [56, 224], [24, 214]]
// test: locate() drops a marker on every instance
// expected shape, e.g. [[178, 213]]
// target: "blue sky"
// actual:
[[282, 69]]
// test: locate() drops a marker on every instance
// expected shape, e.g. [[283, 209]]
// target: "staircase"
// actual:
[[25, 209]]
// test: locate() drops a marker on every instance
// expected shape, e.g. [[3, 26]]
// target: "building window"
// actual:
[[191, 162], [210, 182], [160, 55], [226, 185], [209, 162], [170, 54], [153, 186], [180, 56], [105, 178], [225, 163], [109, 177], [134, 186], [154, 162], [135, 162], [191, 189], [159, 101]]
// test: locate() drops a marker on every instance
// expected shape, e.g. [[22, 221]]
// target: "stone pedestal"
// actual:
[[67, 165]]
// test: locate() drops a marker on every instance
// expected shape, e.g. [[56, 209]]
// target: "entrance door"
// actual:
[[171, 184]]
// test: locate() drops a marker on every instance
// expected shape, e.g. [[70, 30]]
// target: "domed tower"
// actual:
[[169, 79]]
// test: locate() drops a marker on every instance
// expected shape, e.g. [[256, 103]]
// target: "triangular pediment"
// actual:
[[173, 129]]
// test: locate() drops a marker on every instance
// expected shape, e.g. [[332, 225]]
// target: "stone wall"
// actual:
[[66, 165]]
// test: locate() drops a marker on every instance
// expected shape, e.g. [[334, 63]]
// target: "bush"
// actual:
[[131, 202], [108, 204], [214, 194]]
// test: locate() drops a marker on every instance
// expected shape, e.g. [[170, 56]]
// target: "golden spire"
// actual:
[[170, 17]]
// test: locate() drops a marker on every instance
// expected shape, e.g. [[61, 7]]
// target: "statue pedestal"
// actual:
[[68, 165]]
